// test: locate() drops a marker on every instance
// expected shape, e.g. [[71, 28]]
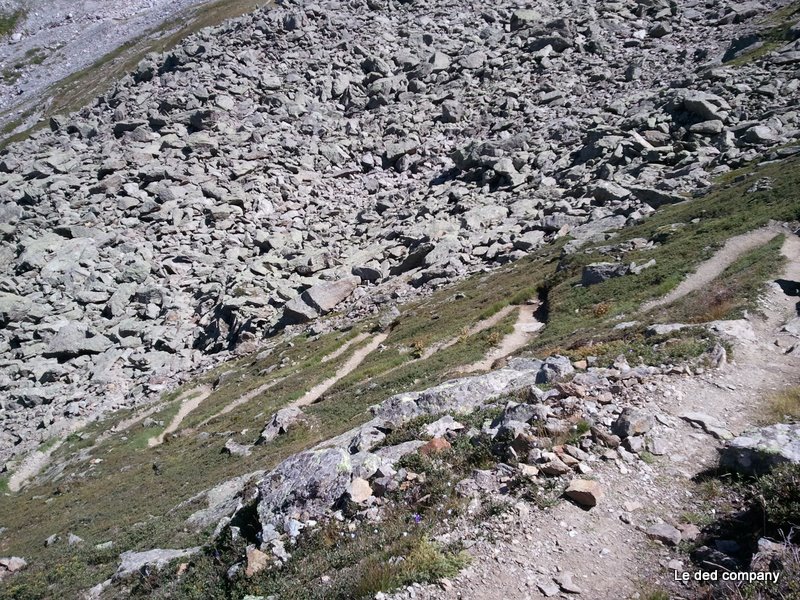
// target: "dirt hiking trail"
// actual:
[[518, 554], [243, 399], [714, 266], [348, 367], [526, 326], [189, 400]]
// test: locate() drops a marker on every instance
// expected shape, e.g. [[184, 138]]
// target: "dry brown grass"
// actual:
[[601, 309], [784, 405]]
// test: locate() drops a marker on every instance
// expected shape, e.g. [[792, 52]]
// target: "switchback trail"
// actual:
[[714, 266], [517, 555], [526, 326], [189, 400], [348, 367]]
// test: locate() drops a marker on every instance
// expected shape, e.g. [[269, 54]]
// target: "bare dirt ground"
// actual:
[[344, 347], [519, 554]]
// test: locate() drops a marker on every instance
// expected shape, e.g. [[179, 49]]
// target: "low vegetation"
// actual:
[[8, 21]]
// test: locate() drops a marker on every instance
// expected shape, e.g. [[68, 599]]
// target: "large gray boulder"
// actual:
[[74, 339], [706, 106], [325, 296], [131, 562], [312, 482], [320, 299], [13, 308], [600, 272], [757, 451]]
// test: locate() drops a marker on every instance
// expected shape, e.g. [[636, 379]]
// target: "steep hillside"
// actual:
[[299, 307]]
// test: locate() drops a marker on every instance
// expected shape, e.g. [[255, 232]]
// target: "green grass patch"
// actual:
[[8, 22], [777, 494]]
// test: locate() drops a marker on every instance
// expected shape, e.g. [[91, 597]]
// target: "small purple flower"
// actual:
[[417, 518]]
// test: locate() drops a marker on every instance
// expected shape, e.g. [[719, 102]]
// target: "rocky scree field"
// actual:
[[245, 215]]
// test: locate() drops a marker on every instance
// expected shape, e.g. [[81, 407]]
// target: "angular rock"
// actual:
[[74, 340], [11, 565], [359, 490], [257, 561], [585, 492], [632, 422], [326, 296], [600, 272], [280, 423], [664, 533]]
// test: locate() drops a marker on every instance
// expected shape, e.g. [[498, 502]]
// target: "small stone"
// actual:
[[565, 582], [664, 533], [257, 561], [548, 589], [632, 422], [689, 531], [435, 446], [675, 565], [555, 467], [359, 490]]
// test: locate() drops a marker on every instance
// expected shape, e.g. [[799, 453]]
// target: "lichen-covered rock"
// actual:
[[281, 422], [131, 562], [756, 452]]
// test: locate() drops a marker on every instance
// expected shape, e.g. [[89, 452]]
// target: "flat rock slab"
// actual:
[[709, 424], [664, 533], [758, 451], [130, 562]]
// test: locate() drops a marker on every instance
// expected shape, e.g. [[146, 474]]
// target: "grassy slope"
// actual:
[[123, 497]]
